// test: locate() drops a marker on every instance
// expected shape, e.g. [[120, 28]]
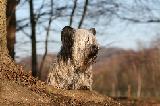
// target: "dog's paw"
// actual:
[[84, 88]]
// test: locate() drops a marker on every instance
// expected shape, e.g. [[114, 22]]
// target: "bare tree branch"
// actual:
[[143, 9], [84, 13], [46, 41], [138, 20], [33, 38], [73, 11]]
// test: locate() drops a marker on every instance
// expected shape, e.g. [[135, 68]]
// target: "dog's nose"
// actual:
[[94, 48], [94, 51]]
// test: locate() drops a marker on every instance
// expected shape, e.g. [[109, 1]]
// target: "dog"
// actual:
[[72, 68]]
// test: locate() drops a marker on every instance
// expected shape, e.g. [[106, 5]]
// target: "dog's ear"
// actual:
[[67, 28], [67, 35], [93, 30]]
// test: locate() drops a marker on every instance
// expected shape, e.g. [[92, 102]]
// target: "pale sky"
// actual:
[[118, 34]]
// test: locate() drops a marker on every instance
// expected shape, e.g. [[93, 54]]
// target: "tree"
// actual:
[[83, 14], [3, 42], [72, 13], [38, 18], [11, 26], [33, 38], [46, 41], [6, 63]]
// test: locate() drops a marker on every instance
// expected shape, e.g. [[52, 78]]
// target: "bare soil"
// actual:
[[138, 102], [20, 88]]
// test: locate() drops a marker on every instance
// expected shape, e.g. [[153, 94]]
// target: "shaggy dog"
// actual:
[[72, 69]]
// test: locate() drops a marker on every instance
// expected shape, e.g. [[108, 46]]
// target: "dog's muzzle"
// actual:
[[93, 52]]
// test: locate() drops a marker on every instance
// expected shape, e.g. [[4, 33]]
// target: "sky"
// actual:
[[118, 33]]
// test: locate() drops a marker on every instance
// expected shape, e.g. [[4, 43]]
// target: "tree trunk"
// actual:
[[83, 14], [6, 63], [46, 42], [11, 26], [73, 11], [139, 85], [3, 42], [33, 38]]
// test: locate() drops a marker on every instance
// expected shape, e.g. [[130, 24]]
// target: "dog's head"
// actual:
[[80, 45]]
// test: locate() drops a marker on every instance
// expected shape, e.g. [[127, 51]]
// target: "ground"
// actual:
[[18, 87]]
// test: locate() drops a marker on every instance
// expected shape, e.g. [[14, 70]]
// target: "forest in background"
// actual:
[[129, 73]]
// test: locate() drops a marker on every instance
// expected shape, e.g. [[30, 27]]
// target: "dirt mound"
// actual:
[[18, 86], [11, 92]]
